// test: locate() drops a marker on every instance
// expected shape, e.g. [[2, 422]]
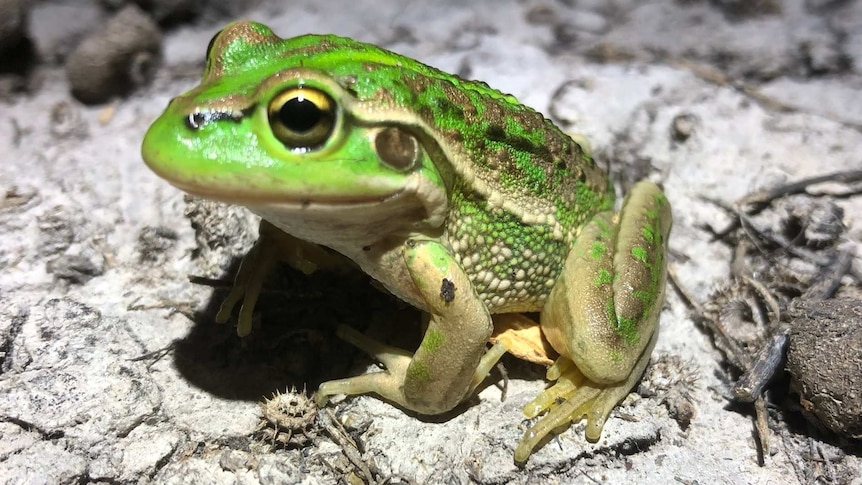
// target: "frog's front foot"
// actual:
[[273, 246], [573, 397], [452, 358]]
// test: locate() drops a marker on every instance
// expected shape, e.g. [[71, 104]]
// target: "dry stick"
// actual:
[[762, 426], [782, 242], [760, 199], [750, 385], [335, 431], [826, 289], [755, 202]]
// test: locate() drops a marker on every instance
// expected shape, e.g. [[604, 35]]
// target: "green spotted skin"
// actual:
[[525, 190], [513, 266]]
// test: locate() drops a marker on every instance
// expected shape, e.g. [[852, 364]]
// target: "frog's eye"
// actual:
[[302, 118]]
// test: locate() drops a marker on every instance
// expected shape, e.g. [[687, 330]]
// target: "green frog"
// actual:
[[452, 195]]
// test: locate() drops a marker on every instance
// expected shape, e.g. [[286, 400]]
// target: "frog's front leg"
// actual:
[[272, 246], [451, 360], [602, 315]]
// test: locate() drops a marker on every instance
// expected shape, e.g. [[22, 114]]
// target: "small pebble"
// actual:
[[682, 127]]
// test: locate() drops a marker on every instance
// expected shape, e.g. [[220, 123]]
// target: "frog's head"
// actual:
[[303, 132]]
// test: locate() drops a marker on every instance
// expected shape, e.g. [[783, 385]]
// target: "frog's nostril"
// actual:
[[196, 120]]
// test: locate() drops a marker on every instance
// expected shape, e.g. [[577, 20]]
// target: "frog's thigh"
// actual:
[[447, 366], [604, 307], [602, 315]]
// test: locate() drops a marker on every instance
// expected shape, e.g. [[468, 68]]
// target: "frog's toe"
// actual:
[[246, 289], [571, 398], [384, 383], [248, 284]]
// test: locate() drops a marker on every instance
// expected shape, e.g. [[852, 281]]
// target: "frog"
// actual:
[[451, 195]]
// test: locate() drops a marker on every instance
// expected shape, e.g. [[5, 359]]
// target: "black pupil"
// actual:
[[300, 115]]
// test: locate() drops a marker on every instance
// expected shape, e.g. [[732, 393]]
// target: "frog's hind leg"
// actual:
[[580, 399], [602, 314]]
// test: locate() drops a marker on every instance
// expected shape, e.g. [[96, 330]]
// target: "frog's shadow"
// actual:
[[293, 344]]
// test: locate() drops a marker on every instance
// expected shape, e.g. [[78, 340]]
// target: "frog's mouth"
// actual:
[[340, 221], [256, 197], [345, 223]]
